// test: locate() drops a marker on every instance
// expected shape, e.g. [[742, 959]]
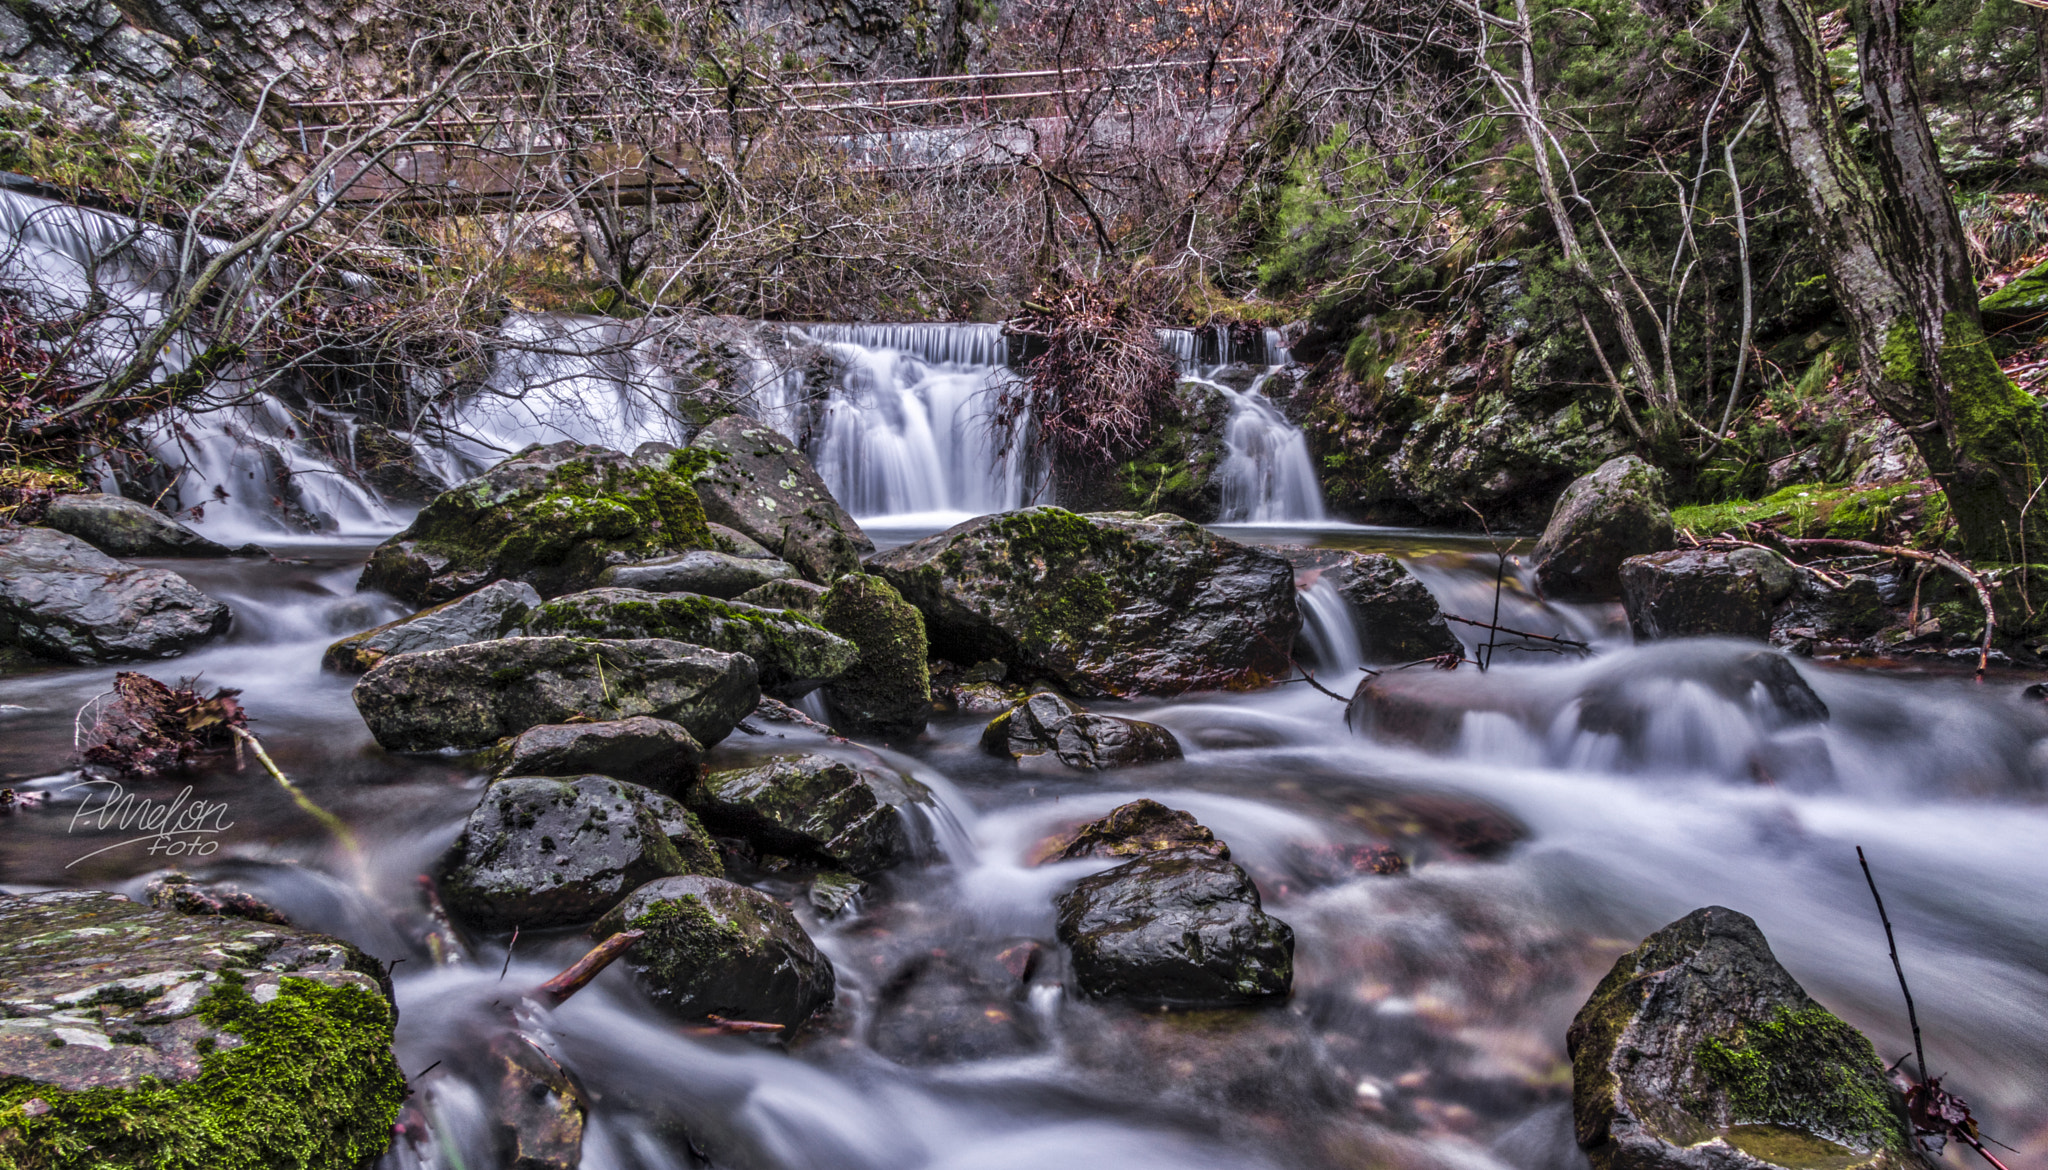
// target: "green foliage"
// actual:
[[1809, 1071], [1812, 509]]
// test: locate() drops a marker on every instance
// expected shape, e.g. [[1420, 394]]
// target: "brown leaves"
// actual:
[[1936, 1112], [1093, 391], [147, 729]]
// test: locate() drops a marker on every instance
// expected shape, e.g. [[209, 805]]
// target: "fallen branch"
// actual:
[[1309, 677], [333, 824], [585, 969], [1975, 579], [1509, 630]]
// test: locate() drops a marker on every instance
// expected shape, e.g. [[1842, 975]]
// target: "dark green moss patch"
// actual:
[[1809, 1071]]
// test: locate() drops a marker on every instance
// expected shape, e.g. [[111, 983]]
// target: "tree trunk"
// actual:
[[1901, 272]]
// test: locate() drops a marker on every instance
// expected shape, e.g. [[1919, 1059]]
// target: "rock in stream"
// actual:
[[62, 598]]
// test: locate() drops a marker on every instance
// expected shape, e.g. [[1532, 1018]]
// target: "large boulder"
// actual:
[[1081, 739], [1699, 1052], [62, 598], [1112, 604], [641, 750], [1601, 520], [703, 571], [1399, 619], [554, 517], [122, 527], [813, 807], [713, 948], [888, 689], [546, 852], [473, 696], [1688, 592], [1180, 928], [794, 653], [135, 1037], [765, 489], [494, 611]]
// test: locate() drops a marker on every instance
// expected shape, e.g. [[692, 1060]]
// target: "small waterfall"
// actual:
[[1330, 632], [908, 429], [1267, 473]]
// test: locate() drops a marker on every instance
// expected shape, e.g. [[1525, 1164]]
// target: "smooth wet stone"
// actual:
[[494, 611], [1698, 1051], [713, 948], [833, 893], [1111, 604], [794, 653], [765, 489], [805, 597], [537, 1110], [1691, 592], [1605, 517], [1080, 739], [1179, 928], [542, 852], [1627, 702], [63, 599], [1398, 618], [936, 1009], [642, 750], [1029, 728], [813, 806], [712, 574], [122, 527], [1141, 827], [887, 691], [473, 696], [114, 1010]]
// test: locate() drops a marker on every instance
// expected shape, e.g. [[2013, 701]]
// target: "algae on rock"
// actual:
[[888, 690]]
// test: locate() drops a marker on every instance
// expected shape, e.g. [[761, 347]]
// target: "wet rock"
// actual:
[[1081, 739], [1110, 604], [887, 691], [1398, 617], [1180, 928], [122, 527], [805, 597], [776, 712], [537, 1111], [833, 893], [713, 948], [653, 753], [1604, 518], [1412, 706], [178, 891], [554, 517], [387, 462], [1631, 694], [812, 806], [712, 574], [114, 1010], [473, 696], [1688, 592], [1822, 613], [1029, 728], [1141, 827], [935, 1009], [61, 598], [736, 543], [1699, 1050], [545, 852], [765, 489], [794, 653], [494, 611]]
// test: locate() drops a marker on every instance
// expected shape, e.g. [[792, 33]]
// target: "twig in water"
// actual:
[[1919, 1054], [557, 990], [332, 823], [1308, 676], [509, 947], [1576, 645]]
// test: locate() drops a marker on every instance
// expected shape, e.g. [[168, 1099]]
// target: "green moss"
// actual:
[[1051, 535], [684, 939], [1805, 1070], [313, 1084], [1813, 510], [1080, 603], [889, 685]]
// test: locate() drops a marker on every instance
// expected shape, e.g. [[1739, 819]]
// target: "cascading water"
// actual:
[[1267, 474]]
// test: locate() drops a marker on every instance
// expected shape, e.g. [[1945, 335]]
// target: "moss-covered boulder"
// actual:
[[1399, 619], [1112, 604], [1690, 592], [2022, 305], [122, 527], [548, 852], [63, 599], [703, 571], [494, 611], [642, 750], [554, 517], [1080, 739], [795, 654], [888, 690], [713, 948], [1614, 513], [1699, 1051], [805, 597], [814, 808], [138, 1038], [1179, 928], [762, 487], [472, 696]]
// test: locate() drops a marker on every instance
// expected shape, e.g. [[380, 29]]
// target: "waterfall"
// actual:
[[1267, 473], [908, 432], [1330, 632]]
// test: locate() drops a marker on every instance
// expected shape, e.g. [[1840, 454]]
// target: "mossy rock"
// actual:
[[1698, 1044], [795, 654], [146, 1039], [1879, 513], [814, 807], [713, 948], [554, 517], [761, 486], [888, 690], [491, 612], [2022, 305]]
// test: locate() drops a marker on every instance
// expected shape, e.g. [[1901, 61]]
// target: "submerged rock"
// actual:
[[543, 852], [1699, 1051], [1601, 520], [1689, 592], [764, 488], [61, 598], [713, 948], [1141, 827], [936, 1009], [794, 653], [712, 574], [1081, 739], [642, 750], [473, 696], [812, 806], [1112, 604], [805, 597], [554, 517], [537, 1110], [157, 1039], [888, 689], [491, 612], [1180, 928], [122, 527], [1631, 695], [1397, 615]]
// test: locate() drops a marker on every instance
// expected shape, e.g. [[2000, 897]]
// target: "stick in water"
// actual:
[[585, 969], [1912, 1017], [332, 823]]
